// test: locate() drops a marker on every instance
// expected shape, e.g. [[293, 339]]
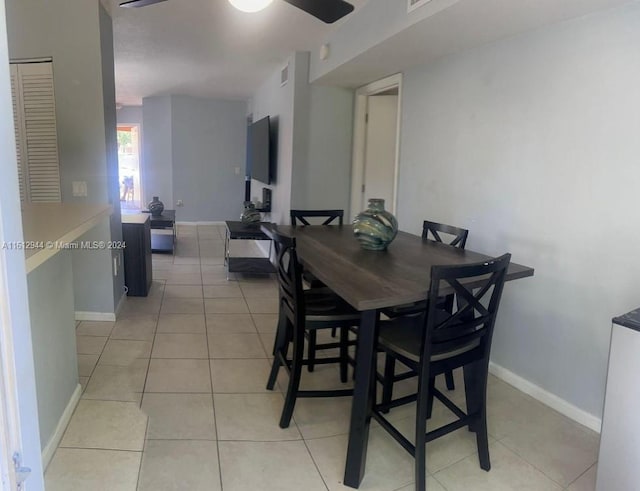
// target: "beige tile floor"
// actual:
[[174, 399]]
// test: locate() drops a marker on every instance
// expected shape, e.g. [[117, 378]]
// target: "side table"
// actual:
[[163, 242], [246, 231]]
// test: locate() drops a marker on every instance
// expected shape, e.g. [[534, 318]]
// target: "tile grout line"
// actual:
[[533, 465], [213, 399]]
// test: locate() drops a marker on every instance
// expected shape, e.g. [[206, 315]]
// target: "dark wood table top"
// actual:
[[378, 279]]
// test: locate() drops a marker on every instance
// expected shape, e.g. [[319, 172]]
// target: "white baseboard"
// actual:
[[547, 398], [51, 446], [96, 316]]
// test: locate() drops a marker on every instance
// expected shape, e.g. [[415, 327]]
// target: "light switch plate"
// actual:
[[79, 188]]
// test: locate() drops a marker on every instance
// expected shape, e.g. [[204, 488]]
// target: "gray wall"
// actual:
[[532, 144], [327, 182], [209, 144], [82, 53], [273, 99], [53, 329], [14, 273], [315, 127], [192, 147], [129, 115], [34, 30], [157, 147], [90, 294], [110, 127]]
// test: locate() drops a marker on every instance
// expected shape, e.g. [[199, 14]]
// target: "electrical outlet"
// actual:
[[179, 203], [237, 170]]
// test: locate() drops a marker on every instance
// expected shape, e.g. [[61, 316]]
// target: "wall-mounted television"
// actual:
[[259, 155]]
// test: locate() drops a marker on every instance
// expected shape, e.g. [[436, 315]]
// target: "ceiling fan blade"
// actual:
[[139, 3], [327, 11]]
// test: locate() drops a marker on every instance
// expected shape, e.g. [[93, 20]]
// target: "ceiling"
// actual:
[[206, 48], [464, 25]]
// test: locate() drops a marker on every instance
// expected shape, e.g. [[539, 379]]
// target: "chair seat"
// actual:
[[403, 335], [311, 280], [406, 309], [322, 305]]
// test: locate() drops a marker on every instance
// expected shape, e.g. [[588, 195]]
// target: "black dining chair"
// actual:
[[301, 217], [446, 234], [315, 217], [303, 311], [438, 341]]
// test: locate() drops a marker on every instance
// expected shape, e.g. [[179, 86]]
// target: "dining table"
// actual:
[[370, 281]]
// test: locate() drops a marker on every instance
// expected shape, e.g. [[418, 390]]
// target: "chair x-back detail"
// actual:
[[303, 311], [439, 341], [330, 216], [457, 236]]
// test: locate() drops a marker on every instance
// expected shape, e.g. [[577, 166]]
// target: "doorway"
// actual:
[[376, 144], [129, 167]]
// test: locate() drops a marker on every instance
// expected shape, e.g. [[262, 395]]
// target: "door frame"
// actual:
[[140, 161], [360, 140], [19, 428]]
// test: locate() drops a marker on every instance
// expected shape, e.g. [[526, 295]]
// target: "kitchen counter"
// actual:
[[49, 227], [630, 320]]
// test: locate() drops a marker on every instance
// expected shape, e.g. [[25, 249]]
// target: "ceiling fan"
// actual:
[[327, 11]]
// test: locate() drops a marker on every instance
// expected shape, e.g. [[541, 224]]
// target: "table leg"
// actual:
[[362, 399]]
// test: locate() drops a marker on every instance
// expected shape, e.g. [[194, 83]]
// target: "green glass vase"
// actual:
[[250, 214], [375, 227]]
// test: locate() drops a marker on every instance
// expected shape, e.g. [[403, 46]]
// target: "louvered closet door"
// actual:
[[17, 124], [38, 139]]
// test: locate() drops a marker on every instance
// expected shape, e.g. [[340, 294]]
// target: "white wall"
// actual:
[[376, 21], [532, 144]]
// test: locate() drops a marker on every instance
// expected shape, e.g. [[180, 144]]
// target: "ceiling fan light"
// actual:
[[250, 5]]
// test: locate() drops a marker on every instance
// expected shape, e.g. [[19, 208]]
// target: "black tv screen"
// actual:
[[258, 151]]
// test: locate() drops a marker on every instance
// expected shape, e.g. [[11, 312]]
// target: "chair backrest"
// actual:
[[433, 231], [289, 273], [329, 215], [478, 288]]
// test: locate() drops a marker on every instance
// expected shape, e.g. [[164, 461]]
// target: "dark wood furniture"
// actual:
[[438, 342], [237, 230], [163, 243], [455, 237], [370, 281], [304, 218], [136, 234], [302, 311], [301, 216]]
